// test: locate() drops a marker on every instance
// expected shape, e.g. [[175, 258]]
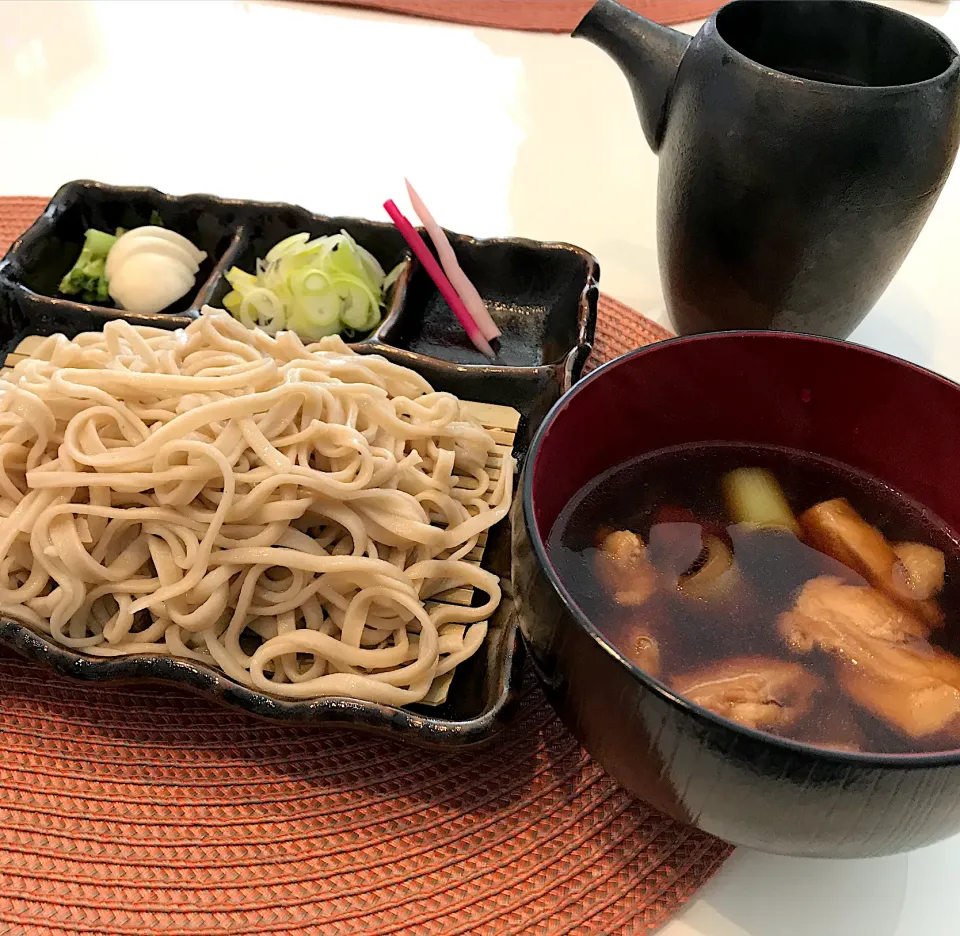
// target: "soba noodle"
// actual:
[[278, 511]]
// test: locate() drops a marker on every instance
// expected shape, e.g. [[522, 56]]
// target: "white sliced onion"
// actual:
[[148, 283], [150, 268], [152, 230], [128, 245]]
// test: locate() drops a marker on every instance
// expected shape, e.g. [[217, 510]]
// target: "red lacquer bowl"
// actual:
[[879, 414]]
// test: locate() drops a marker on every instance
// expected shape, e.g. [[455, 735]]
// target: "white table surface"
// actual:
[[310, 105]]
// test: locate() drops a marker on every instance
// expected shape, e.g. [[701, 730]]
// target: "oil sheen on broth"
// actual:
[[834, 626]]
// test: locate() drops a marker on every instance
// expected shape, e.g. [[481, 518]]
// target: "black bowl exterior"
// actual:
[[744, 786], [484, 692], [744, 790]]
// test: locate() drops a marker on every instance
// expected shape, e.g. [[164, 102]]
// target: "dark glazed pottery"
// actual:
[[802, 146], [481, 701], [881, 415], [544, 296]]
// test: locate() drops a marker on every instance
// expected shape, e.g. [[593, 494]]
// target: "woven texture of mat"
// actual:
[[537, 15], [142, 810]]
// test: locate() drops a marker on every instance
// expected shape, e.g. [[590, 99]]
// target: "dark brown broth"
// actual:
[[695, 633]]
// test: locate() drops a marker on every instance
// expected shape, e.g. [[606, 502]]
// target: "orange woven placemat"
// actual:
[[538, 15], [142, 810]]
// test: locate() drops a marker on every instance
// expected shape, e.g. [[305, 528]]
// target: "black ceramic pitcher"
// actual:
[[802, 146]]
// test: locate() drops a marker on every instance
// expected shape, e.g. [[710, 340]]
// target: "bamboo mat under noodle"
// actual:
[[128, 810], [537, 15]]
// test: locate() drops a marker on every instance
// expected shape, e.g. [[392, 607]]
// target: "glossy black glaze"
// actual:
[[534, 293], [744, 786], [788, 202], [483, 694], [38, 260], [543, 295], [482, 697]]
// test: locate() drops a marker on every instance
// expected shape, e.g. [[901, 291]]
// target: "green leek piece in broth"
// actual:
[[313, 287], [753, 496]]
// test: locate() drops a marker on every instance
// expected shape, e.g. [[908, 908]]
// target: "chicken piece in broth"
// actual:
[[922, 570], [836, 617], [757, 692], [623, 566], [885, 663]]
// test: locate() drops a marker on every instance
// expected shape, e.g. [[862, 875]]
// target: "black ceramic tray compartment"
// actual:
[[548, 318], [264, 225], [38, 261], [533, 292], [543, 295]]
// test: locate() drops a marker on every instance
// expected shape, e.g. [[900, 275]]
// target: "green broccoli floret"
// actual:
[[87, 278], [103, 292]]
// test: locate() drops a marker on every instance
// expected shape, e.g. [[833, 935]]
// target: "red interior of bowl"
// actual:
[[874, 412]]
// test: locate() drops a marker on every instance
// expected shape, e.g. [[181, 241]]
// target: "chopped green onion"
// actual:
[[285, 246], [314, 287], [393, 275], [241, 281], [261, 308]]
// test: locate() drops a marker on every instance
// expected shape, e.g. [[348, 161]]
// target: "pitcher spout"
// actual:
[[647, 53]]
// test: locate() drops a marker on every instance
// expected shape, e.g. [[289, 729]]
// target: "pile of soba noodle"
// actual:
[[278, 511]]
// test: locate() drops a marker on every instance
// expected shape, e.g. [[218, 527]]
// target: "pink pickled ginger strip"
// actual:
[[448, 259], [422, 252]]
